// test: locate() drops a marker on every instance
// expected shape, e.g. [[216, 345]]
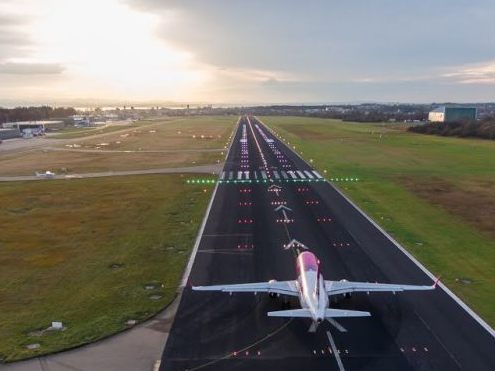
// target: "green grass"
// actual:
[[82, 252], [404, 180]]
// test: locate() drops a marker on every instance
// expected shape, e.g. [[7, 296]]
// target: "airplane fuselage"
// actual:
[[312, 291]]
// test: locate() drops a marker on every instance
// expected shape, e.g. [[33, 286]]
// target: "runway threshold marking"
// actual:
[[335, 351]]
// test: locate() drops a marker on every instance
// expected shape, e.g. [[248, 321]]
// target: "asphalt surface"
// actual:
[[243, 241]]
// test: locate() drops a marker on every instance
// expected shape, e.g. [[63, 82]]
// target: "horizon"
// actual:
[[176, 105]]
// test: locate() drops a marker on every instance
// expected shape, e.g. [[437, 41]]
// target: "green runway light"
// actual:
[[264, 181]]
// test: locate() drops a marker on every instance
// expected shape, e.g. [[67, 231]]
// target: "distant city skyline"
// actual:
[[246, 52]]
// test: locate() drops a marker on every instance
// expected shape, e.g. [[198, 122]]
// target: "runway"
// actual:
[[244, 240]]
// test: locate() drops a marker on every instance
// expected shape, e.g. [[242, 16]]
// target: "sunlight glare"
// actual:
[[106, 45]]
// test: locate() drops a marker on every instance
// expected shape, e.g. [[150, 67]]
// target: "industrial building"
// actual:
[[35, 125], [9, 133], [449, 114]]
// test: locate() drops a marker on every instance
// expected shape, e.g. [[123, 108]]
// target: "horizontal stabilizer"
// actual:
[[335, 313], [305, 313], [329, 313]]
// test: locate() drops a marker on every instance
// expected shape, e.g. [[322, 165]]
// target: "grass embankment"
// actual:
[[92, 253], [164, 143], [435, 195]]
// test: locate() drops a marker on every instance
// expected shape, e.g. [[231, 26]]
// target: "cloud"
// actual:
[[480, 73], [255, 75], [31, 68], [14, 40], [329, 38]]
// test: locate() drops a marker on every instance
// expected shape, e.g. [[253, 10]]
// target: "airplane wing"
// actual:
[[343, 287], [276, 287]]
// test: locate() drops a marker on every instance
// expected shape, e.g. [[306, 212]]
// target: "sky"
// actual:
[[246, 52]]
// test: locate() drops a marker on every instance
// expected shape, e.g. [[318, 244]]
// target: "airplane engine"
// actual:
[[273, 295], [347, 295]]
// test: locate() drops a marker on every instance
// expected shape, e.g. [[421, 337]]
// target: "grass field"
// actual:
[[91, 253], [198, 132], [81, 162], [73, 132], [435, 195], [173, 142]]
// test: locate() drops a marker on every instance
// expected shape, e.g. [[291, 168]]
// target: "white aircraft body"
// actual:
[[46, 174], [313, 291]]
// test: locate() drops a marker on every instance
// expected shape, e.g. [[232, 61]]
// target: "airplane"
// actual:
[[313, 291], [47, 174]]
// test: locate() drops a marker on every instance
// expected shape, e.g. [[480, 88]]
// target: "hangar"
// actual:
[[449, 114]]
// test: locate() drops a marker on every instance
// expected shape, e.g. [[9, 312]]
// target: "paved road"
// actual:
[[208, 169], [243, 242]]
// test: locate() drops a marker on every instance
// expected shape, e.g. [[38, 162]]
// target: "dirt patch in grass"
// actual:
[[473, 200]]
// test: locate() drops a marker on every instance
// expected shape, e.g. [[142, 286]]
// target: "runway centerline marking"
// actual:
[[335, 351]]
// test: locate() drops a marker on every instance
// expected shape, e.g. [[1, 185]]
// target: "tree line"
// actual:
[[484, 128], [34, 113]]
